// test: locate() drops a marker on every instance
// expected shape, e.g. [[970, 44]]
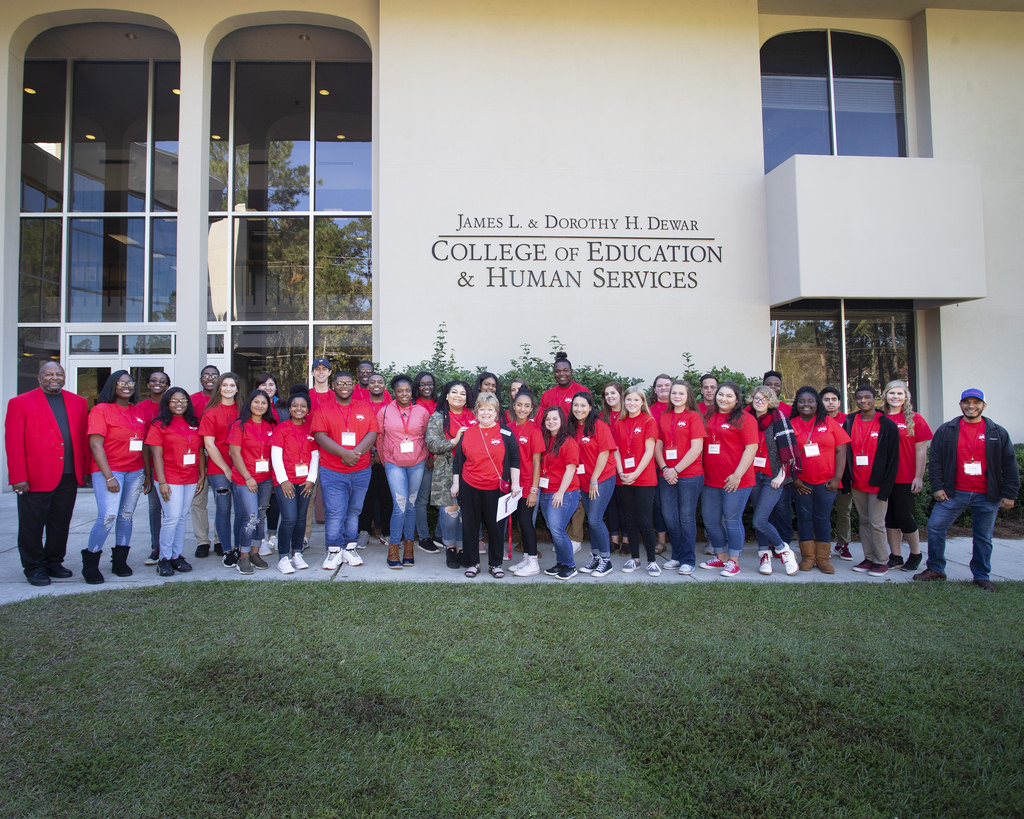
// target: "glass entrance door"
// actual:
[[88, 374]]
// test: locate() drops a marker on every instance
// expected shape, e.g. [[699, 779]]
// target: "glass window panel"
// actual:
[[344, 344], [106, 270], [90, 381], [808, 350], [271, 268], [342, 278], [163, 270], [92, 344], [218, 244], [148, 344], [272, 114], [343, 136], [879, 348], [280, 350], [140, 375], [220, 99], [36, 346], [868, 97], [39, 270], [108, 135], [215, 344], [166, 78], [794, 97], [42, 136]]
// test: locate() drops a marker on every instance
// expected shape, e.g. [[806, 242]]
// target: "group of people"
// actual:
[[635, 467]]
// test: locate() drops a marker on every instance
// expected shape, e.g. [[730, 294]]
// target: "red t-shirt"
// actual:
[[970, 449], [181, 444], [254, 440], [318, 399], [730, 443], [762, 463], [785, 408], [199, 401], [820, 468], [484, 450], [427, 404], [907, 469], [466, 418], [702, 408], [658, 408], [148, 409], [531, 442], [864, 443], [631, 435], [560, 397], [297, 447], [346, 426], [552, 467], [678, 430], [214, 424], [590, 448], [124, 431], [360, 393]]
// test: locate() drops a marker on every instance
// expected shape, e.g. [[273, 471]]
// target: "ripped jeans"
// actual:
[[404, 483], [451, 526], [114, 508], [251, 513]]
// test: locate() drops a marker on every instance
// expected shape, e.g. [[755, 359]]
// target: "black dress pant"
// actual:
[[480, 506], [46, 513]]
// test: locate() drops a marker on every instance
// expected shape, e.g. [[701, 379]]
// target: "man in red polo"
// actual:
[[47, 460]]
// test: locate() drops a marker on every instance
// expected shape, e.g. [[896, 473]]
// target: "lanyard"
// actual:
[[132, 420], [253, 429], [970, 439], [185, 432], [864, 435]]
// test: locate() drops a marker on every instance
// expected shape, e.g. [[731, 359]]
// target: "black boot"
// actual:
[[91, 567], [119, 561]]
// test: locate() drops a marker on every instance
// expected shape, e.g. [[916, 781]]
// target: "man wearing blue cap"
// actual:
[[971, 465]]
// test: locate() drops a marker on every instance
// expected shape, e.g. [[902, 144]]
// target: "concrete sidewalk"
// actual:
[[1007, 563]]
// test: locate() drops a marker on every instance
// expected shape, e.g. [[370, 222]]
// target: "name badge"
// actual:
[[579, 469], [135, 445], [188, 459], [760, 462], [262, 465], [671, 454], [860, 460], [405, 446], [811, 450], [972, 468], [301, 470], [348, 439], [629, 463], [714, 449], [544, 483]]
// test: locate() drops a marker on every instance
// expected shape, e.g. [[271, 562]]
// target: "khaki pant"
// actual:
[[872, 526], [200, 515]]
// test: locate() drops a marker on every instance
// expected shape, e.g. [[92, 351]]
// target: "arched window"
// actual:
[[830, 93]]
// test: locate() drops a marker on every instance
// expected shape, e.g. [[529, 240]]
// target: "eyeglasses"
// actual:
[[126, 383], [761, 399], [343, 383]]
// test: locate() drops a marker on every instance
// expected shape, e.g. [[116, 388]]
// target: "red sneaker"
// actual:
[[842, 551]]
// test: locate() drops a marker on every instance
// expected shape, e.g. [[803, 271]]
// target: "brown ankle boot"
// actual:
[[407, 558], [393, 561], [824, 552], [806, 555]]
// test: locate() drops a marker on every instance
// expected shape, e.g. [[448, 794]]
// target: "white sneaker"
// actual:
[[268, 547], [531, 567], [284, 565], [686, 568], [766, 562], [335, 557], [671, 564], [520, 565], [576, 545], [789, 562], [298, 561], [352, 556], [653, 569], [630, 566]]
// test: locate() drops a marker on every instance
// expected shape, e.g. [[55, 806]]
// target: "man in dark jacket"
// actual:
[[972, 465]]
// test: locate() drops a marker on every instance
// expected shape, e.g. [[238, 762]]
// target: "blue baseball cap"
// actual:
[[320, 362], [973, 392]]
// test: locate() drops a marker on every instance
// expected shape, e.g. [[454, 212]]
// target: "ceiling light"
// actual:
[[29, 90], [131, 36], [324, 92], [214, 136], [176, 91], [340, 136], [90, 136], [304, 37]]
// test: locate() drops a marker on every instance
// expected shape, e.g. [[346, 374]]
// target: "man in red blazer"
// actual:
[[47, 460]]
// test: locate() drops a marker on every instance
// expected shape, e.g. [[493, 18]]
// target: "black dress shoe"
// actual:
[[39, 578], [203, 550], [59, 571]]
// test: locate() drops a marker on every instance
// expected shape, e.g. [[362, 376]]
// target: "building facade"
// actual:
[[830, 188]]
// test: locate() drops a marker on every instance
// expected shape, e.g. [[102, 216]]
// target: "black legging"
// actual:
[[524, 514], [637, 507], [480, 505], [899, 514]]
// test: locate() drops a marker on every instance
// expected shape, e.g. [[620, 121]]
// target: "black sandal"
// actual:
[[472, 571], [496, 572]]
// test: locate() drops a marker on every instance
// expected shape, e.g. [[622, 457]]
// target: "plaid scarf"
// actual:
[[785, 440]]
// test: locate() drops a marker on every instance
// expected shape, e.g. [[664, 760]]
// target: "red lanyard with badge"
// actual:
[[262, 463], [188, 457], [136, 429], [973, 466]]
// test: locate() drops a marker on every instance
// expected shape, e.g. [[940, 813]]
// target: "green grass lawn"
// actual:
[[393, 699]]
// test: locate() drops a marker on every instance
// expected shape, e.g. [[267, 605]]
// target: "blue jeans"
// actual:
[[600, 542], [814, 513], [114, 507], [251, 513], [450, 526], [291, 529], [344, 493], [174, 514], [983, 518], [722, 513], [679, 505], [422, 499], [404, 483], [763, 499], [782, 515], [557, 521], [222, 499]]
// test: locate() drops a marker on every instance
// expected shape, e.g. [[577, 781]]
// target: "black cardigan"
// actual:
[[511, 460], [887, 456]]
